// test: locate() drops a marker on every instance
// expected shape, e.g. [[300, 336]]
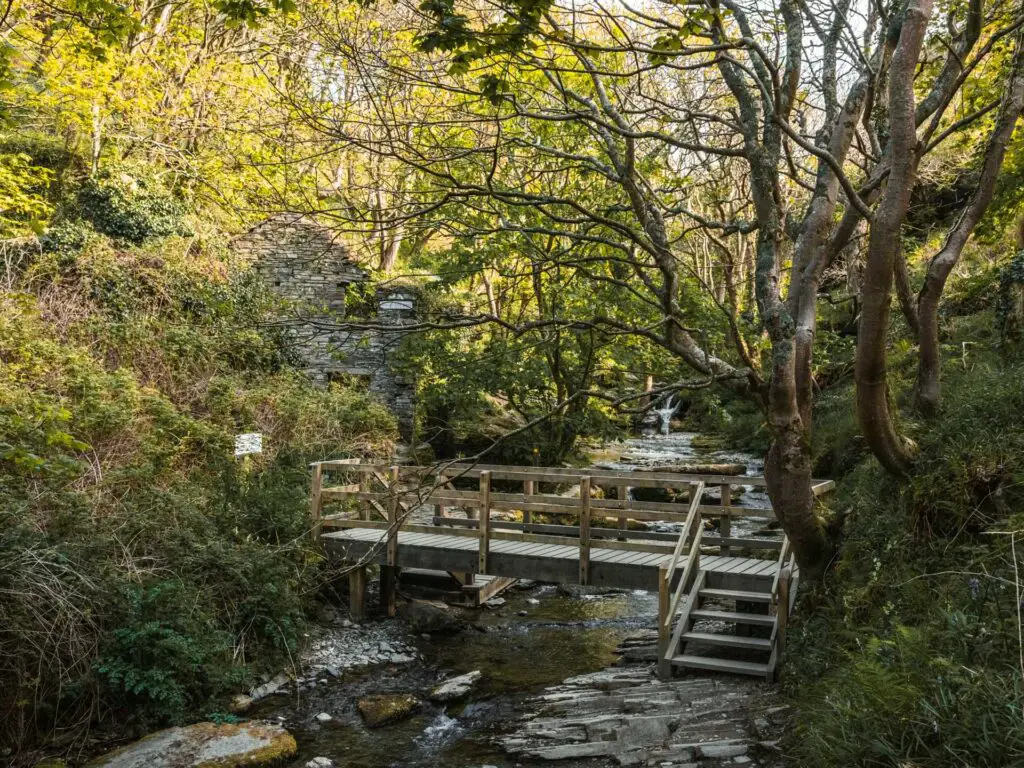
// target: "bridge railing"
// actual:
[[507, 502]]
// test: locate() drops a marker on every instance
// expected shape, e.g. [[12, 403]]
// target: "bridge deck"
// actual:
[[528, 560]]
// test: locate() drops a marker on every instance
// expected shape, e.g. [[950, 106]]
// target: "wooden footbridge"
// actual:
[[724, 599]]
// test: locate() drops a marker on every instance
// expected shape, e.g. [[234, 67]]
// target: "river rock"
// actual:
[[455, 687], [320, 762], [384, 709], [239, 746], [240, 703], [430, 618], [270, 687]]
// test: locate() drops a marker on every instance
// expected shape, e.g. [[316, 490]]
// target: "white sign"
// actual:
[[251, 442]]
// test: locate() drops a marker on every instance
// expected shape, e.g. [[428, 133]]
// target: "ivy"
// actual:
[[1010, 307]]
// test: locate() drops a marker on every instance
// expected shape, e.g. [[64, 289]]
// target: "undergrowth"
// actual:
[[909, 654], [145, 572]]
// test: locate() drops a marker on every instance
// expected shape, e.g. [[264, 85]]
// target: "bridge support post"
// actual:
[[528, 487], [357, 593], [725, 521], [389, 589], [622, 492], [389, 572], [585, 530], [485, 521], [316, 503], [664, 625]]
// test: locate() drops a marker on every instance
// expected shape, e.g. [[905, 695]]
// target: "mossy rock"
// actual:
[[205, 745], [385, 709], [708, 442]]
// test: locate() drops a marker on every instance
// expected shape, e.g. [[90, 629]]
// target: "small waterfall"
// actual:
[[665, 415]]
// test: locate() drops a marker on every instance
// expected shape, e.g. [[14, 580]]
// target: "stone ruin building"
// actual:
[[303, 262]]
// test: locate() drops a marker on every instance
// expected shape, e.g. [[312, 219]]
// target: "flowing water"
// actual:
[[537, 638]]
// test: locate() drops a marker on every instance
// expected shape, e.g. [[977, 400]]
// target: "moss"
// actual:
[[282, 746], [385, 709], [269, 745]]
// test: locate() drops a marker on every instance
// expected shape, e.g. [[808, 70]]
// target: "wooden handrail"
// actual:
[[696, 491], [783, 553], [635, 479], [667, 644], [557, 505]]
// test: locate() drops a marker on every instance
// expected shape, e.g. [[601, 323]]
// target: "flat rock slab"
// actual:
[[205, 745], [455, 687], [626, 715]]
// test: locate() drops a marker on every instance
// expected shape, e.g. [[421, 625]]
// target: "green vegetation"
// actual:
[[145, 571], [910, 648], [591, 203]]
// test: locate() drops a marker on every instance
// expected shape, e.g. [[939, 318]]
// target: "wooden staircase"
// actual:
[[723, 620]]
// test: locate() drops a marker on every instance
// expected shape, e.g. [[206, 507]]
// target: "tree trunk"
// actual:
[[905, 294], [930, 362], [883, 248]]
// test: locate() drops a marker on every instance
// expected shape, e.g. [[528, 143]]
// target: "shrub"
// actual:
[[145, 573], [131, 205], [909, 652]]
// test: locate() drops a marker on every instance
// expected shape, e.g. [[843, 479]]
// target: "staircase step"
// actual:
[[737, 594], [721, 665], [740, 618], [730, 641]]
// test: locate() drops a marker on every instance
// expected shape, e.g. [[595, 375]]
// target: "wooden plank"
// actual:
[[720, 665], [609, 509], [611, 556], [597, 531], [729, 641], [820, 487], [748, 543], [734, 616], [564, 474], [748, 566], [737, 594]]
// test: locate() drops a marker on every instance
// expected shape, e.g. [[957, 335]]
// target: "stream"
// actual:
[[538, 637]]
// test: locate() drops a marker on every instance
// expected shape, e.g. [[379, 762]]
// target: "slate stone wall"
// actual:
[[301, 261]]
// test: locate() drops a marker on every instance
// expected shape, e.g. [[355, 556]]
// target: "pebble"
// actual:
[[324, 717], [334, 651], [522, 613], [495, 602], [320, 762]]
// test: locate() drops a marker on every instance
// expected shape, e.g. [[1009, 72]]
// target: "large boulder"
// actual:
[[205, 745], [385, 709], [425, 617]]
